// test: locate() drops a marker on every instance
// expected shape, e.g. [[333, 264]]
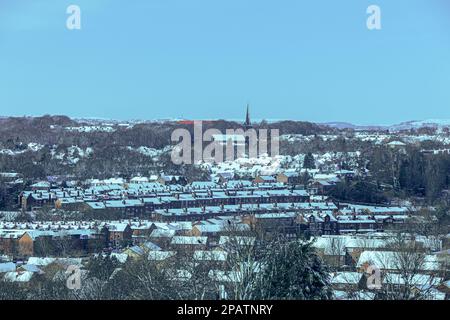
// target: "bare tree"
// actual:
[[409, 274], [336, 246]]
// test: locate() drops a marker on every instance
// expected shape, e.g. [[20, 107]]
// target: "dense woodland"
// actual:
[[111, 155]]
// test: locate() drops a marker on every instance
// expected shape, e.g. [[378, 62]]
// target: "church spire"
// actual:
[[247, 118]]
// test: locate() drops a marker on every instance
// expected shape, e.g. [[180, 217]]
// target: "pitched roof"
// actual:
[[189, 240], [7, 267]]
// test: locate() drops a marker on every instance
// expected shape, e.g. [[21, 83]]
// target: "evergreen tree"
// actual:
[[308, 162], [294, 271]]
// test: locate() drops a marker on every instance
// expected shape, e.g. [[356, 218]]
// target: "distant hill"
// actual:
[[435, 123], [287, 126], [347, 125], [414, 124]]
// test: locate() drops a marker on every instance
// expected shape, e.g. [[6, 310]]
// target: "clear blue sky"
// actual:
[[290, 59]]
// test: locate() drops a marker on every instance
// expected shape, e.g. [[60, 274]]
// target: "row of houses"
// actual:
[[25, 242], [201, 201], [348, 285], [44, 192], [23, 271], [140, 198], [340, 250], [291, 219], [21, 240]]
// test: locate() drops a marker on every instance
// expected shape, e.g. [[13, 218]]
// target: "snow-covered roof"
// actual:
[[162, 233], [358, 295], [121, 257], [350, 278], [7, 267], [18, 276], [239, 240], [39, 261], [209, 228], [211, 255], [396, 143], [160, 255], [31, 268], [225, 276], [187, 240], [418, 280], [391, 260]]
